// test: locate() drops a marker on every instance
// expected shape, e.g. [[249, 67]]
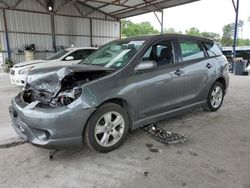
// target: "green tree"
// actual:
[[227, 37], [193, 31], [243, 42], [211, 35], [130, 29], [171, 30]]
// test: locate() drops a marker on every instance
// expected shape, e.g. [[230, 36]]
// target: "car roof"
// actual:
[[162, 36], [81, 48]]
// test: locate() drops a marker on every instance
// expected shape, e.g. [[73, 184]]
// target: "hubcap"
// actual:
[[109, 129], [216, 97]]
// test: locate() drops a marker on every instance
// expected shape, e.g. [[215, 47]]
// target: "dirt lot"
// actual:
[[217, 152]]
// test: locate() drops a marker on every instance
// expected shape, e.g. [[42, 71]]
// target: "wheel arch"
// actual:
[[222, 81], [125, 105], [119, 101]]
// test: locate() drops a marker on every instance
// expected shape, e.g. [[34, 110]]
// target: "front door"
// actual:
[[159, 80]]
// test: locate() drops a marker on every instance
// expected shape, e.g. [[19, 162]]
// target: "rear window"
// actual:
[[191, 50], [212, 49]]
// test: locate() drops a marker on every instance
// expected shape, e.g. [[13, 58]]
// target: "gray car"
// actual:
[[124, 85]]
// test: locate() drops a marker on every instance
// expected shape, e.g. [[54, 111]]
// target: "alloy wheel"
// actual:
[[216, 96], [109, 129]]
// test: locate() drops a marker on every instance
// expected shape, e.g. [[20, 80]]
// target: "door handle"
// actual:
[[178, 72], [209, 65]]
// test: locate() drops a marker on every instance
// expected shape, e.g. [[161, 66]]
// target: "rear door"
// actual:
[[159, 88], [199, 70]]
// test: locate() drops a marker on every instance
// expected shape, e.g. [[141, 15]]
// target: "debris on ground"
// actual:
[[12, 143], [52, 153], [163, 136], [148, 145], [146, 173], [154, 150]]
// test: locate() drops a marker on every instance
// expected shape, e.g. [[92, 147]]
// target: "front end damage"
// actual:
[[53, 108], [59, 87]]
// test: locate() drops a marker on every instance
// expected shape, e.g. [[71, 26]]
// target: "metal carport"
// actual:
[[50, 24]]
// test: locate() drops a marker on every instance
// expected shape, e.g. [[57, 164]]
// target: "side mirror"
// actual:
[[145, 65], [69, 58]]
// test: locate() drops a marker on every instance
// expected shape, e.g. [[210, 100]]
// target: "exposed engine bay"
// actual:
[[59, 87]]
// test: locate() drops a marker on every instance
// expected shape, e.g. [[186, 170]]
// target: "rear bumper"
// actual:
[[53, 128]]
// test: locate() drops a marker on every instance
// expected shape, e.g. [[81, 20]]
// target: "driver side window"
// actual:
[[162, 53]]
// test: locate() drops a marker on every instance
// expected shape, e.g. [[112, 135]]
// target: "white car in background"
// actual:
[[67, 56]]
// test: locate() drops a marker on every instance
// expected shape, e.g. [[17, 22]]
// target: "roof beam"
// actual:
[[133, 8], [155, 4], [16, 4], [86, 14], [42, 5], [95, 9], [235, 8], [121, 5], [147, 2], [78, 9], [64, 5], [5, 4]]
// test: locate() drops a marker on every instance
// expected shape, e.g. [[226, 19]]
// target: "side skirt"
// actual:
[[151, 119]]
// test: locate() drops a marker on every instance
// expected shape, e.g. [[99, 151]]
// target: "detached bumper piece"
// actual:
[[163, 136]]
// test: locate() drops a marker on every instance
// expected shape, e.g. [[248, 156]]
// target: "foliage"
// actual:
[[211, 35], [228, 32], [130, 29], [193, 31], [171, 30], [243, 42], [227, 37], [8, 64]]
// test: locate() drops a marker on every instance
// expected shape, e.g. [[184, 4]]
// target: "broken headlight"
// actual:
[[64, 98]]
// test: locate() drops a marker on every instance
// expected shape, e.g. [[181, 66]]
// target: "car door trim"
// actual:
[[151, 119]]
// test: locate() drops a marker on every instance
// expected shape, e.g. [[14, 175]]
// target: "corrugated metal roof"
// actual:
[[103, 9], [127, 8]]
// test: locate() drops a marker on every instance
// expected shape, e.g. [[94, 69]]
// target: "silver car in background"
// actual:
[[68, 56], [124, 85]]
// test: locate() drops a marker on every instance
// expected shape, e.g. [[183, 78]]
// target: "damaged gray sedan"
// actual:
[[124, 85]]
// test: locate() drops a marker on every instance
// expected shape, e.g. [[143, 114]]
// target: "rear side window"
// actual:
[[191, 50], [212, 49]]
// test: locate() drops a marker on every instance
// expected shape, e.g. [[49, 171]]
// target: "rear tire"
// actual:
[[107, 128], [215, 97]]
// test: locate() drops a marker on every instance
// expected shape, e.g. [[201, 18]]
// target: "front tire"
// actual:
[[215, 97], [107, 128]]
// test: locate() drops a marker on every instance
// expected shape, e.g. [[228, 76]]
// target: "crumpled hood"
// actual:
[[50, 79], [26, 63]]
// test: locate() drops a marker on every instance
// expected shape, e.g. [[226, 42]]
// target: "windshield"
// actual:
[[115, 54], [57, 55]]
